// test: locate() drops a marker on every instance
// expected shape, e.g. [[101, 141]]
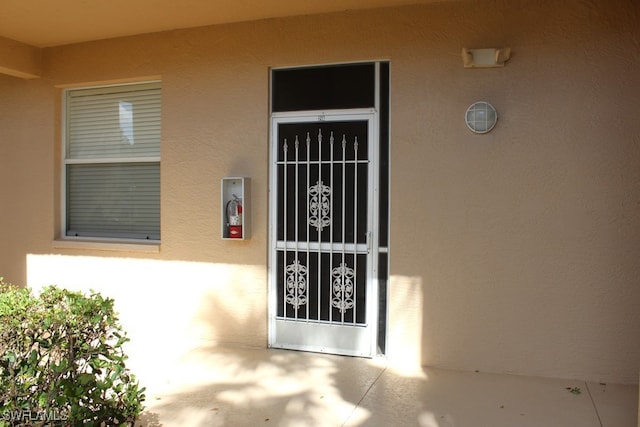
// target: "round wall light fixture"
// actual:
[[481, 117]]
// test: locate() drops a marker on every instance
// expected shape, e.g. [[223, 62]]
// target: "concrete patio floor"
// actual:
[[260, 387]]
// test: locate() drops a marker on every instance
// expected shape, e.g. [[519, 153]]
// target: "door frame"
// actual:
[[372, 309]]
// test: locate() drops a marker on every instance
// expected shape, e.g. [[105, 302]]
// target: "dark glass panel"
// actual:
[[323, 88], [384, 155], [383, 278]]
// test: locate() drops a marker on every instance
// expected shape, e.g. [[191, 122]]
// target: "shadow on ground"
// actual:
[[238, 387]]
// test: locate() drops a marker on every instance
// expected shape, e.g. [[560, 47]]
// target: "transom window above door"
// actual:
[[330, 87]]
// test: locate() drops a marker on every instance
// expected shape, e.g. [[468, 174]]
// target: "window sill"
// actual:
[[107, 245]]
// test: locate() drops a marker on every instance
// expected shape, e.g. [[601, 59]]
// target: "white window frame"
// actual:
[[125, 243]]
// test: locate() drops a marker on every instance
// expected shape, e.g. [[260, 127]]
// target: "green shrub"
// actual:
[[62, 362]]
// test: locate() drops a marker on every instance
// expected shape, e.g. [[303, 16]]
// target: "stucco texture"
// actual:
[[515, 251]]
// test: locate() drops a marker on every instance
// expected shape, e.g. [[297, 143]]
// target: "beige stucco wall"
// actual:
[[513, 252], [19, 60]]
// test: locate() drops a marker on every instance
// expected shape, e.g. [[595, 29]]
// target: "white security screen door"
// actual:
[[323, 289]]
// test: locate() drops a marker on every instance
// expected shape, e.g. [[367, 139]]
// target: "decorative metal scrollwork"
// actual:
[[319, 206], [296, 284], [342, 287]]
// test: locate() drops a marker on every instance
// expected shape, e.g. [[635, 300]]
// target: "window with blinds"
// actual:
[[112, 162]]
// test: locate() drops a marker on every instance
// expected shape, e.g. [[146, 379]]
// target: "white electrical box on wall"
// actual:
[[236, 210]]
